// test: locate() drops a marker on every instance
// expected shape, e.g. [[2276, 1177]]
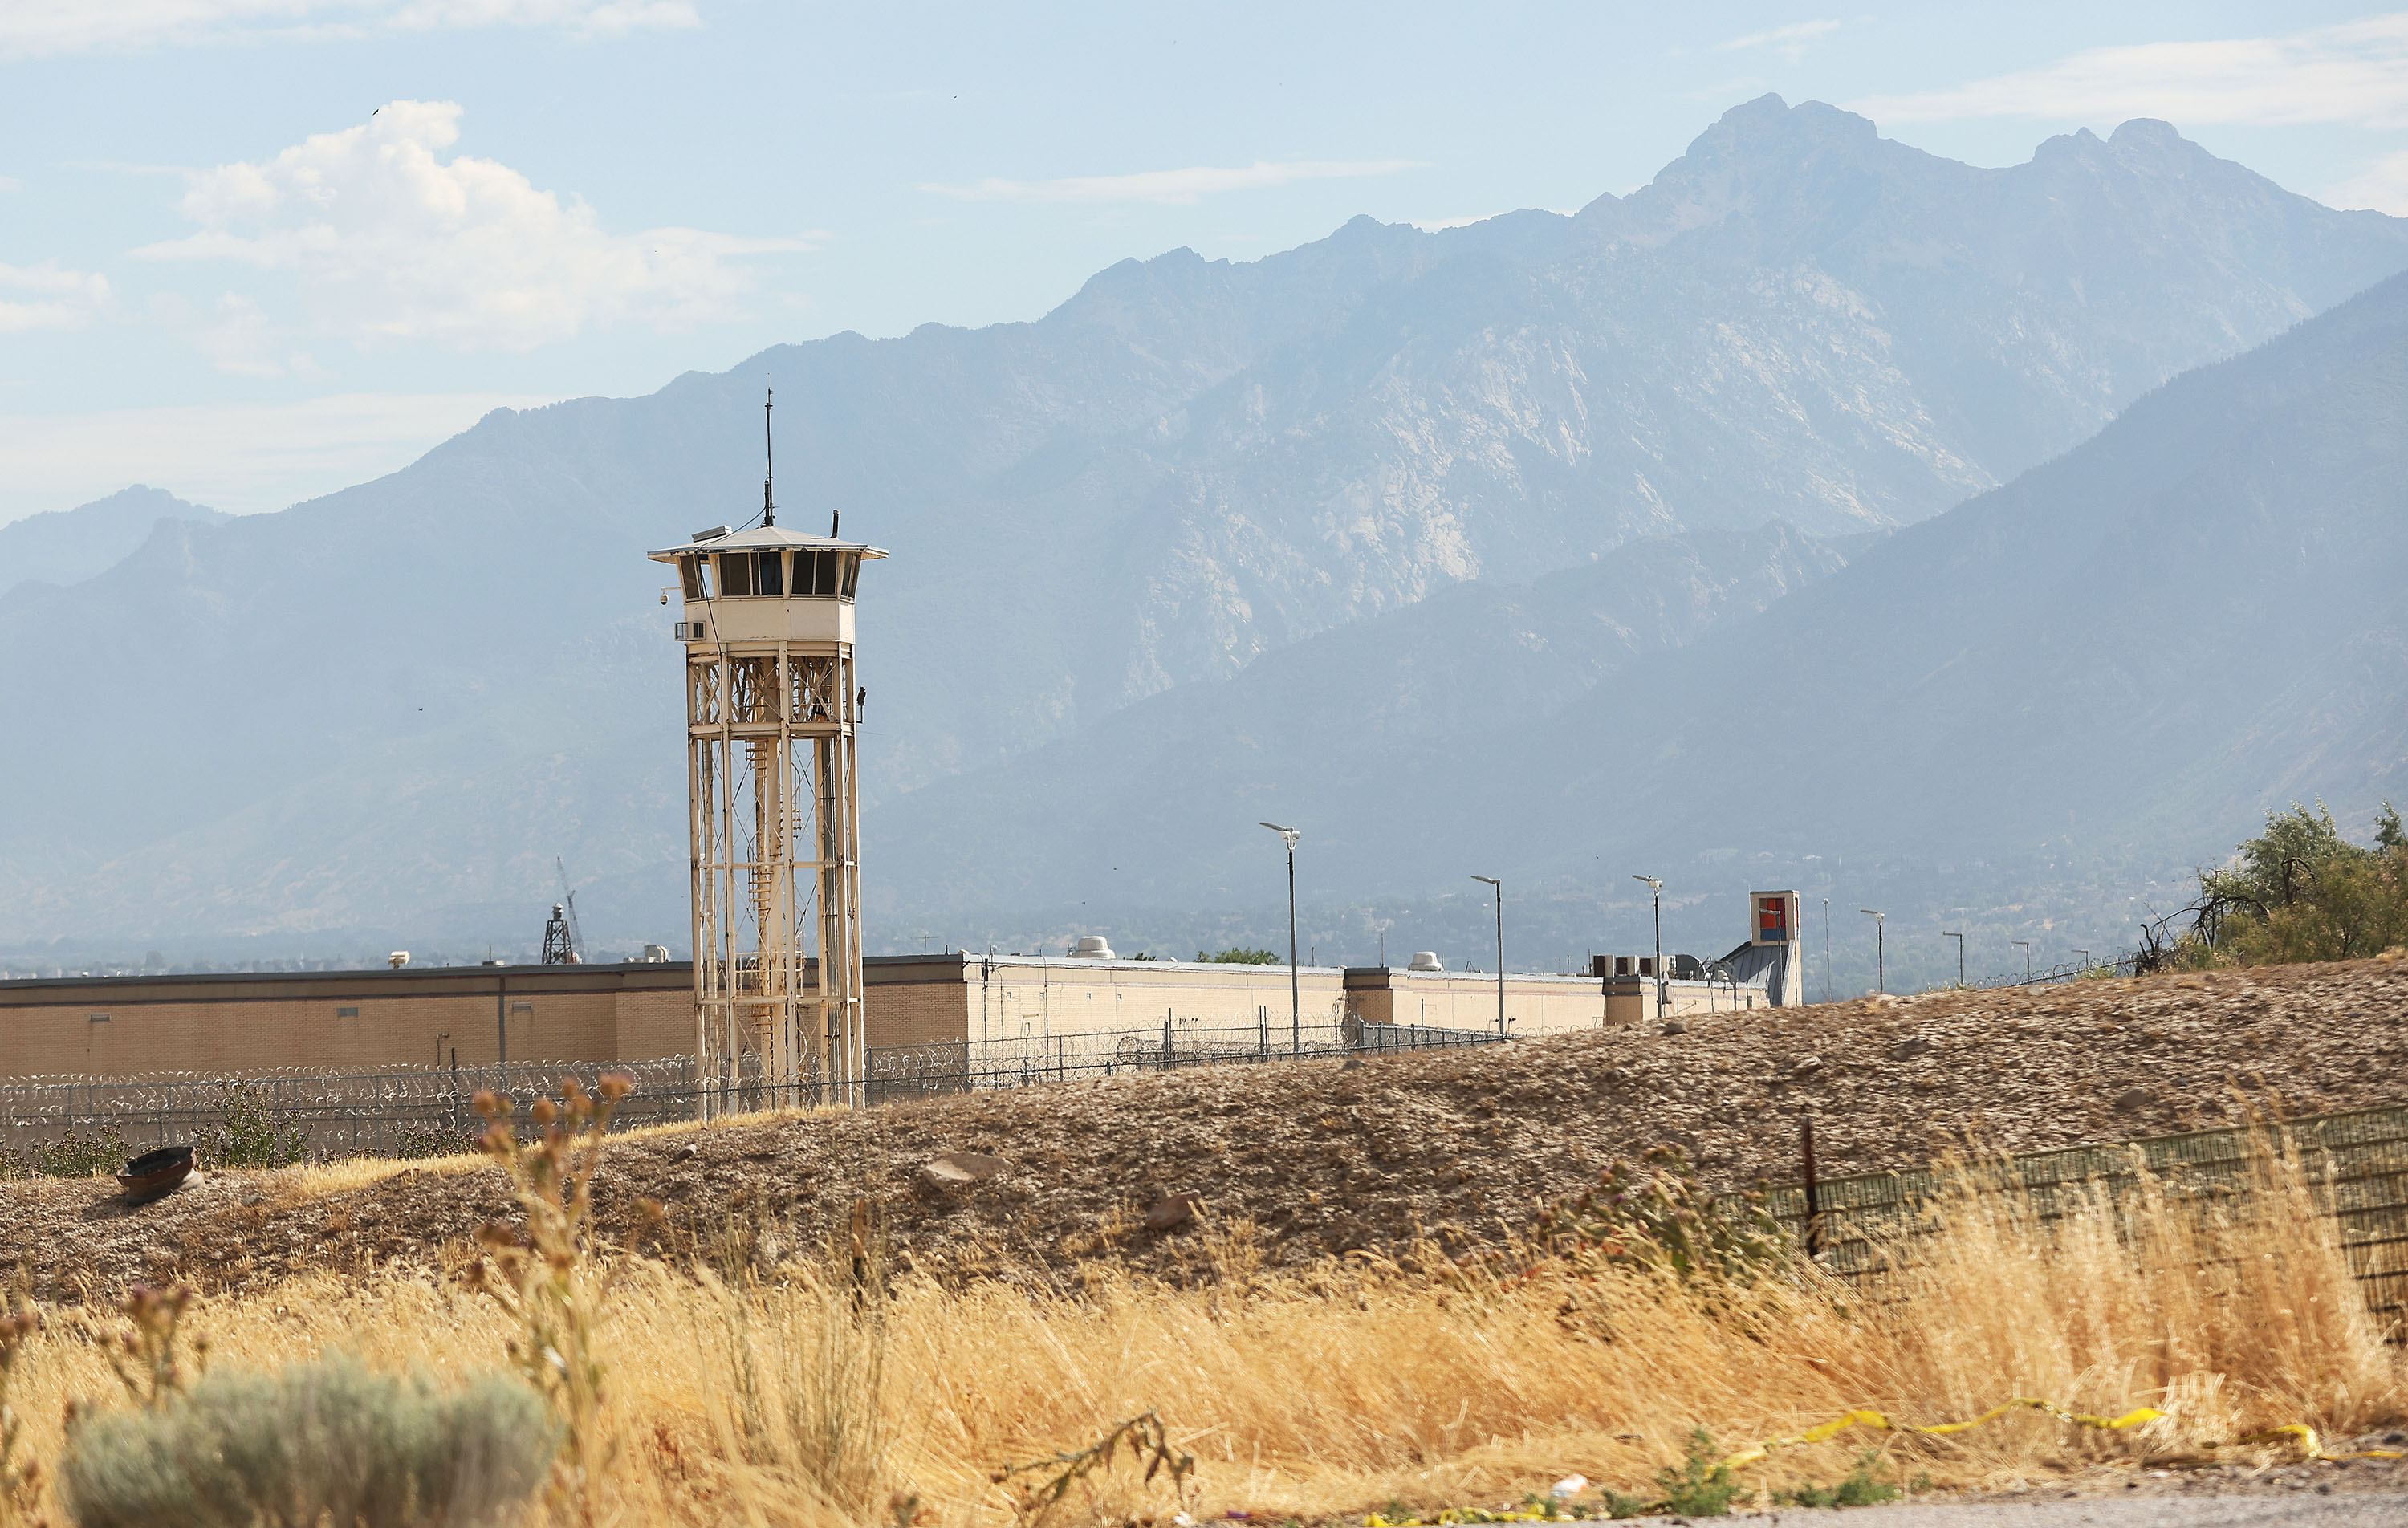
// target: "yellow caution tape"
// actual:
[[2312, 1447], [1876, 1420]]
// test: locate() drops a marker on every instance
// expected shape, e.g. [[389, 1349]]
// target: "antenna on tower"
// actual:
[[769, 457]]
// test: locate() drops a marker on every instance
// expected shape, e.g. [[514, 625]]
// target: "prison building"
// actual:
[[242, 1023]]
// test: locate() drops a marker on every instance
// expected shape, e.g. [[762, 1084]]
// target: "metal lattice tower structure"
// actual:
[[773, 706]]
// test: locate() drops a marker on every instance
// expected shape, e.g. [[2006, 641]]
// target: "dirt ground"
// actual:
[[1327, 1158]]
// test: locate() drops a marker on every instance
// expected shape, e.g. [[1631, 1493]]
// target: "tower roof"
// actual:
[[763, 537]]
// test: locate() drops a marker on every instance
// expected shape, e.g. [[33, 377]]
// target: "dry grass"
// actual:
[[794, 1396]]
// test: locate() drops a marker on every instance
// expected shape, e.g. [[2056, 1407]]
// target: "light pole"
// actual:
[[2026, 944], [2086, 958], [1500, 886], [1960, 954], [1656, 889], [1880, 947], [1827, 949], [1295, 1003]]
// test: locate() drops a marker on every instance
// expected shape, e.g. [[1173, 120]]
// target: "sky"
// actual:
[[254, 250]]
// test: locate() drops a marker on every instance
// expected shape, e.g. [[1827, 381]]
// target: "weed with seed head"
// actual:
[[543, 1276], [20, 1485], [144, 1355], [1144, 1437]]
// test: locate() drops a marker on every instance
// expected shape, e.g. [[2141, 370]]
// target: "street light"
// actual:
[[2086, 958], [1295, 1003], [1656, 889], [1880, 947], [2026, 944], [1960, 954], [1501, 950]]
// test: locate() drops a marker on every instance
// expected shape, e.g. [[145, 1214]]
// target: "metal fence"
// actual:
[[424, 1111], [2359, 1159]]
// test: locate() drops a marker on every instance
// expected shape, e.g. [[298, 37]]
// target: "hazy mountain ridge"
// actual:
[[1187, 466], [64, 547], [2121, 658]]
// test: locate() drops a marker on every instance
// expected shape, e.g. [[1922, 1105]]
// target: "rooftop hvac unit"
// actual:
[[1426, 960], [1093, 947]]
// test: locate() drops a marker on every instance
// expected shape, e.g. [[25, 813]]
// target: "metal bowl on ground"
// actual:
[[154, 1174]]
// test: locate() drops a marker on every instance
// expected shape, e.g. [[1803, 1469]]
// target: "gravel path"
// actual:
[[2308, 1510]]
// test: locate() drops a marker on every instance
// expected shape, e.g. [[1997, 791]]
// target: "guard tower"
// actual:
[[772, 707]]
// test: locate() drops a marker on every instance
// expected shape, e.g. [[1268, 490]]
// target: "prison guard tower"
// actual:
[[772, 708]]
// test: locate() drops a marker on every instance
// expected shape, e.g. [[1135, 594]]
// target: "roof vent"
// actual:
[[1426, 960], [711, 535], [1093, 947]]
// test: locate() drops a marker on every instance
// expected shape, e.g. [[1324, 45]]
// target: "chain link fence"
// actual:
[[428, 1111], [2359, 1160]]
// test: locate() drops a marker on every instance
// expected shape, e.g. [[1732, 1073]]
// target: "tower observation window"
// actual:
[[735, 573], [851, 572], [824, 577], [765, 579], [696, 574]]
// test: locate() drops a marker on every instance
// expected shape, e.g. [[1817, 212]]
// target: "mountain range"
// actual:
[[64, 547], [1475, 543]]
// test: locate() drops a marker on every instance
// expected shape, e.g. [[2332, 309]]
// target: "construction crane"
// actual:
[[564, 942]]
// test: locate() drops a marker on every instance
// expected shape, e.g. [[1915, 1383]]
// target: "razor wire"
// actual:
[[430, 1110]]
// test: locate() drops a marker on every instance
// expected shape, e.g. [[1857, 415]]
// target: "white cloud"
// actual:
[[56, 298], [2382, 186], [1789, 41], [240, 458], [1178, 187], [9, 182], [2356, 72], [34, 28], [385, 241]]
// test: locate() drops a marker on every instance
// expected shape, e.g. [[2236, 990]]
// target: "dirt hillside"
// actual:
[[1325, 1158]]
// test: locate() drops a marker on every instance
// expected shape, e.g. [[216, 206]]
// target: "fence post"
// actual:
[[1166, 1042], [1813, 1187]]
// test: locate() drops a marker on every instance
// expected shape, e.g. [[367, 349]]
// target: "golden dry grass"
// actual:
[[783, 1399]]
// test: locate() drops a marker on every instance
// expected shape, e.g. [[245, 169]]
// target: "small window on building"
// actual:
[[100, 1018], [769, 578], [824, 577], [696, 572], [347, 1013], [851, 572], [734, 574]]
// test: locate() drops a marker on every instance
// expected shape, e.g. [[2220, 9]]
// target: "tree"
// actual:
[[2301, 891]]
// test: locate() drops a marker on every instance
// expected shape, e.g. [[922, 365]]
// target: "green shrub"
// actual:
[[249, 1132], [1241, 957], [329, 1441], [1702, 1486], [415, 1142], [2301, 891], [1862, 1488], [73, 1155], [1656, 1214]]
